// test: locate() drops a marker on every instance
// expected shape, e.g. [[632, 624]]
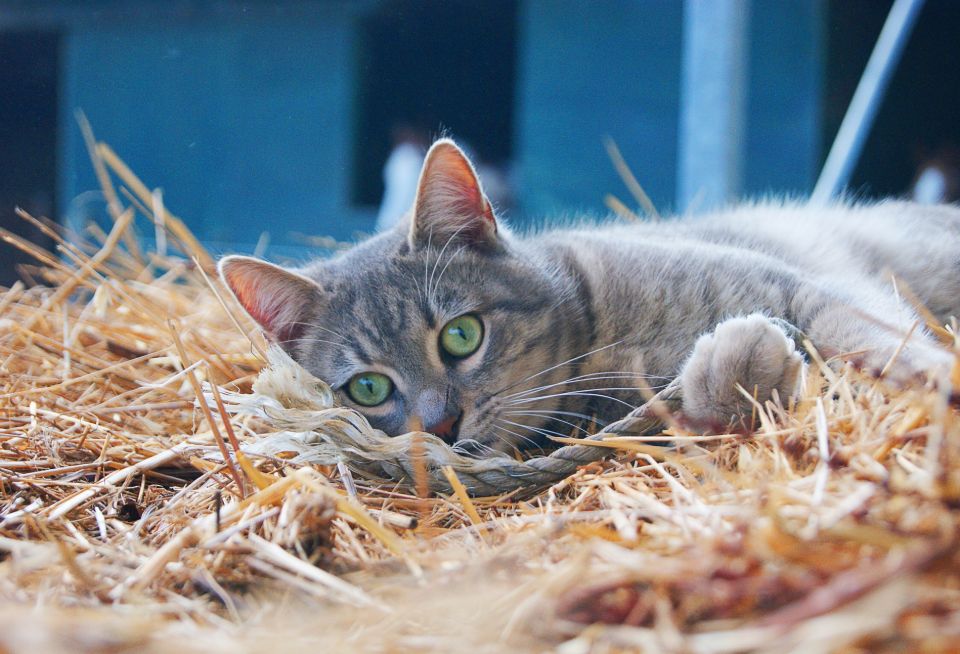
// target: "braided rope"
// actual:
[[503, 474], [302, 408]]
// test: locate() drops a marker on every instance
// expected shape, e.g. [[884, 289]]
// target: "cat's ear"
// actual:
[[450, 203], [279, 300]]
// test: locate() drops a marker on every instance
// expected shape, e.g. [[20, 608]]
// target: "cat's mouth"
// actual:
[[449, 429]]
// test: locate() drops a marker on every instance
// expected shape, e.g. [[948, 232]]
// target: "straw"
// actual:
[[834, 525]]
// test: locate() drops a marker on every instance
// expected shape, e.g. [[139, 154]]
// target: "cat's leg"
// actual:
[[751, 352], [904, 353]]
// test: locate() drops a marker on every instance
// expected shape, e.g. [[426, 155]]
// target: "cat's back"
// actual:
[[850, 245], [818, 240], [907, 239]]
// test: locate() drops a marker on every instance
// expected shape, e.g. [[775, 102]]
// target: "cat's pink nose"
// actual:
[[447, 428]]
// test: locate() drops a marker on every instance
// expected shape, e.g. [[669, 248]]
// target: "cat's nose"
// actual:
[[446, 428]]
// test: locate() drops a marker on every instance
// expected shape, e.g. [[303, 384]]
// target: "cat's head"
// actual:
[[437, 324]]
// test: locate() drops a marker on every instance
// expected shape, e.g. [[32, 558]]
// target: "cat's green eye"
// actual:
[[462, 336], [369, 388]]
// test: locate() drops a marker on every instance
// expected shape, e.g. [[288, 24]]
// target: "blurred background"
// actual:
[[292, 118]]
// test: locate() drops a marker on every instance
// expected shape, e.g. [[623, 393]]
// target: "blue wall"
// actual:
[[245, 124], [247, 121], [784, 98], [613, 67], [588, 70]]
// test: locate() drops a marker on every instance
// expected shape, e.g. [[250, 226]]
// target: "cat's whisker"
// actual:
[[525, 439], [318, 340], [554, 367], [584, 393], [503, 440], [472, 447], [453, 256], [592, 377], [431, 286], [330, 331], [546, 414], [519, 437], [416, 282], [316, 326], [543, 431], [521, 400], [574, 414], [426, 268]]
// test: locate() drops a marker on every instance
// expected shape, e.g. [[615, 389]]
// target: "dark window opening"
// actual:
[[28, 138], [917, 121], [438, 67]]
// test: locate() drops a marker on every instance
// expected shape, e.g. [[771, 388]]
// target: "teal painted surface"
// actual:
[[613, 67], [248, 122], [588, 70], [246, 125], [784, 98]]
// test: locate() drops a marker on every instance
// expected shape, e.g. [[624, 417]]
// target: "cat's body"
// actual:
[[684, 297]]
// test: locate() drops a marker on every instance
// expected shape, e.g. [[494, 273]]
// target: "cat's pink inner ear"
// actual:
[[276, 298], [450, 200]]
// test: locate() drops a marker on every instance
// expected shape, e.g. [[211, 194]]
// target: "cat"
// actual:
[[455, 325]]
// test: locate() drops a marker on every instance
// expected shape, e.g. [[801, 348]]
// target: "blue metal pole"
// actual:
[[866, 100]]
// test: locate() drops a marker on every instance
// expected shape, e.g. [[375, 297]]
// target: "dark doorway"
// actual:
[[918, 117], [28, 137], [439, 66]]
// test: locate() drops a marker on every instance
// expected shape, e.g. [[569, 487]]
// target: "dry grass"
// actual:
[[127, 522]]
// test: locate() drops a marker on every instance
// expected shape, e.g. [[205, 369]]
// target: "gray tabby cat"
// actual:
[[484, 337]]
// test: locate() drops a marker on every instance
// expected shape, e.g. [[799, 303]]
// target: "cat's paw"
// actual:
[[748, 351]]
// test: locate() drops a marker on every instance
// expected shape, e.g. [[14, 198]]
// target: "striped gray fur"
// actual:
[[687, 298]]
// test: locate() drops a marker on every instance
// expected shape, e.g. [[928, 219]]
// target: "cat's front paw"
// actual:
[[748, 351]]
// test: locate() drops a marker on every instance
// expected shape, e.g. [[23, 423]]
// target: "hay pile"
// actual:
[[128, 520]]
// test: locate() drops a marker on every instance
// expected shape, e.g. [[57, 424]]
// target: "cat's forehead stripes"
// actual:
[[391, 310]]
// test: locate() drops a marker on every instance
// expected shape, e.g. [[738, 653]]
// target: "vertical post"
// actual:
[[712, 102]]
